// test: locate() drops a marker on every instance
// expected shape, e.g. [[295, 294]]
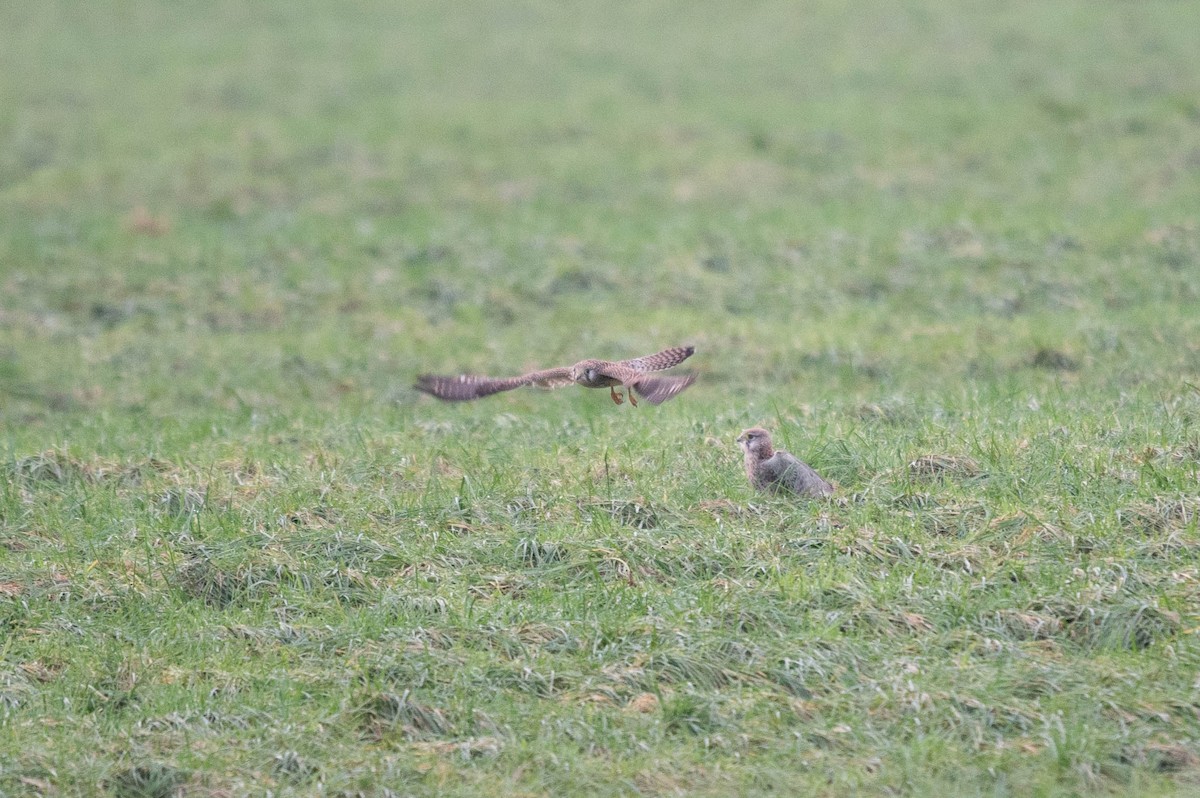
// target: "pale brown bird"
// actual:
[[777, 471], [632, 374]]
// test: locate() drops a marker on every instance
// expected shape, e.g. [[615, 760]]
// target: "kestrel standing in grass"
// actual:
[[631, 374], [777, 471]]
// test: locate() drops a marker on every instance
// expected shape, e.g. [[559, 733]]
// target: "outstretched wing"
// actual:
[[660, 360], [471, 386], [657, 390], [550, 378]]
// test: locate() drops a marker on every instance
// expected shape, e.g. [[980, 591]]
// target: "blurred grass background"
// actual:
[[471, 187], [231, 235]]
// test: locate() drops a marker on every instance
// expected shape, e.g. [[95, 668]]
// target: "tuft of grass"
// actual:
[[292, 767], [154, 780], [388, 712], [690, 714]]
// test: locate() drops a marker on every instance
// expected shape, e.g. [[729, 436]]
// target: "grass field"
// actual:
[[949, 253]]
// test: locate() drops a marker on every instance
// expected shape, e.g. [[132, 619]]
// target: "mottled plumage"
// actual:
[[631, 374], [774, 471]]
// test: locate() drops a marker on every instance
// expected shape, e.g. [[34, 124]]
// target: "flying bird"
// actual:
[[633, 375], [776, 471]]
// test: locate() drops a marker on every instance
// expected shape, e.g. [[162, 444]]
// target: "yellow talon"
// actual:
[[616, 397]]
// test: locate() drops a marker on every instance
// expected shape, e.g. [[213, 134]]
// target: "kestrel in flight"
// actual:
[[776, 471], [631, 374]]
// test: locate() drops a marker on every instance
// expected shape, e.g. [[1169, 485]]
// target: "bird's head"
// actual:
[[756, 441], [585, 371]]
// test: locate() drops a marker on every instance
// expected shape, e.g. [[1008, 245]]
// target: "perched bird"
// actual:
[[632, 374], [776, 471]]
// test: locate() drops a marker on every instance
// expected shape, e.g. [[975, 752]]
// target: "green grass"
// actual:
[[949, 254]]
